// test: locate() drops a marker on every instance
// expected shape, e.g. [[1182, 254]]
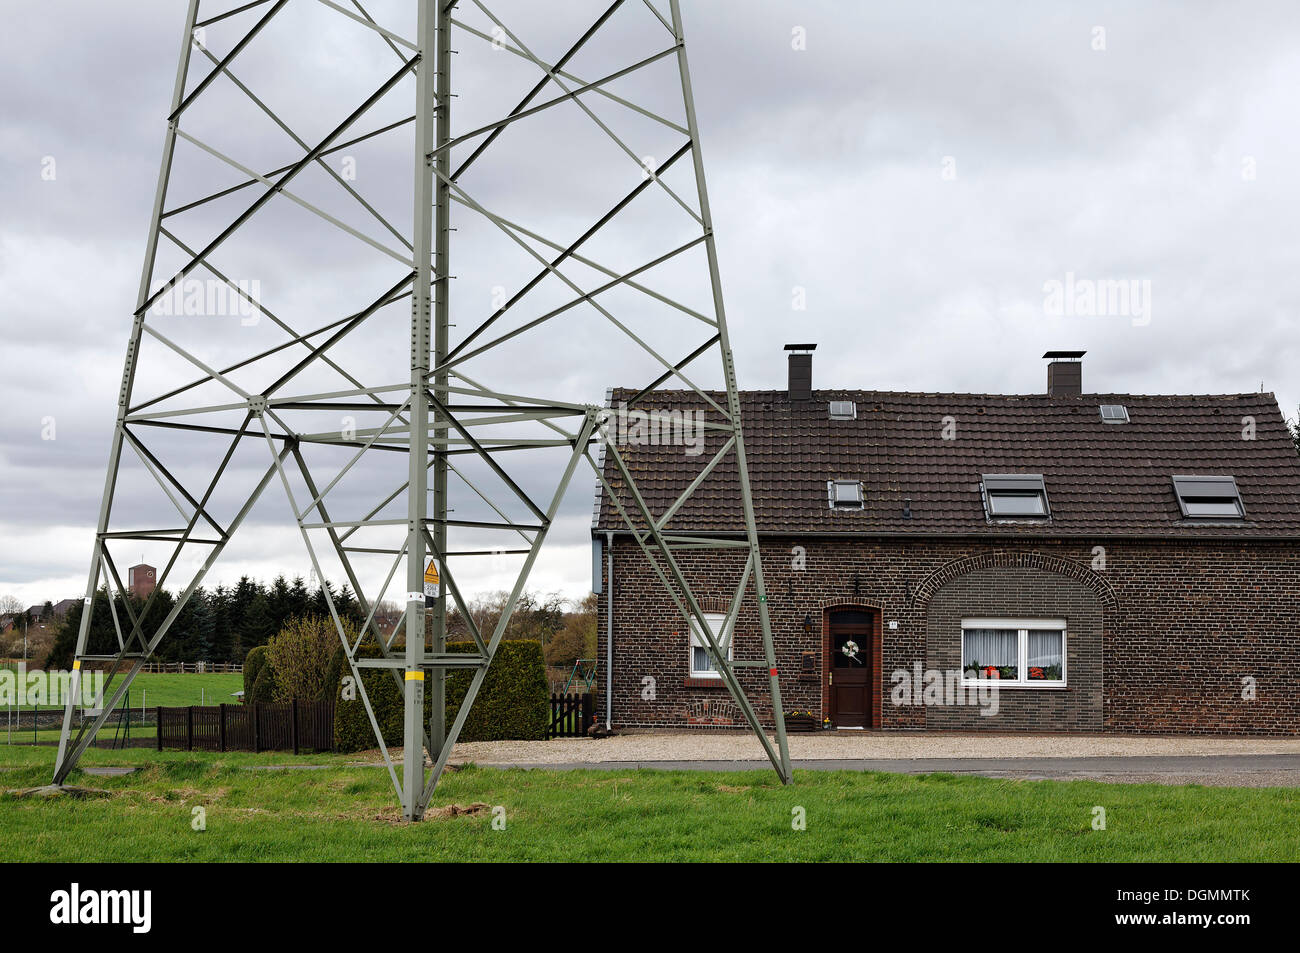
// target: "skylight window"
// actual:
[[1114, 413], [1015, 496], [844, 494], [1209, 497], [844, 410]]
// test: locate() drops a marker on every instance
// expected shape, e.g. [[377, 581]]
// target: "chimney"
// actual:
[[1064, 373], [800, 387]]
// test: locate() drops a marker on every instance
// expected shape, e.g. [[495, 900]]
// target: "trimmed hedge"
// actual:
[[513, 704], [263, 686], [253, 664]]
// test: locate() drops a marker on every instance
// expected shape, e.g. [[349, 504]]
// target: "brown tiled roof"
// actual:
[[1102, 479]]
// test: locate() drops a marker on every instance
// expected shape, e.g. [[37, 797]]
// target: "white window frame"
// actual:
[[1022, 627], [718, 623]]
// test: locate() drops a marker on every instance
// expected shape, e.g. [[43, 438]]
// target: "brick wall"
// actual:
[[1179, 627]]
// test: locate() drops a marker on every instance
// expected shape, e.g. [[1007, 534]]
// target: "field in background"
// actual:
[[178, 691], [346, 811]]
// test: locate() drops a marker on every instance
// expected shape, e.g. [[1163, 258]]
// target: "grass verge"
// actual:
[[347, 812]]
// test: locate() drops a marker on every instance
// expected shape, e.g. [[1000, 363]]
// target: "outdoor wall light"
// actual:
[[807, 623]]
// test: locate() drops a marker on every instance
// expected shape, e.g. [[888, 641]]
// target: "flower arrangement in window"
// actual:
[[976, 670], [1046, 673], [850, 648]]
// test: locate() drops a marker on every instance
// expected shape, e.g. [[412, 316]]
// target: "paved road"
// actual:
[[1258, 770]]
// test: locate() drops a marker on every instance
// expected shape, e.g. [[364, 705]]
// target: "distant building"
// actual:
[[40, 615], [62, 606], [142, 580]]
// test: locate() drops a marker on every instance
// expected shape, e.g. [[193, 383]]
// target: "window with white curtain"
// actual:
[[701, 664], [1027, 653]]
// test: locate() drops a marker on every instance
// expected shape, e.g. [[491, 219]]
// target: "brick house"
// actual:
[[1098, 562]]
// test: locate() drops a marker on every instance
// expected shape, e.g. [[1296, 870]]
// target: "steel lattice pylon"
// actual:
[[447, 424]]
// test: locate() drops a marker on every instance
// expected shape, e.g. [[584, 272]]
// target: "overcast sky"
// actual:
[[901, 183]]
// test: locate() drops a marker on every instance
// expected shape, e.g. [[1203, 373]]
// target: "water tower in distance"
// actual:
[[142, 580]]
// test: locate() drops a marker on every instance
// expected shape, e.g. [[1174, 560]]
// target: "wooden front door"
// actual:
[[850, 681]]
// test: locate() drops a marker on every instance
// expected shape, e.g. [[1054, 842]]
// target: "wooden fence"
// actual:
[[172, 668], [276, 726], [193, 668], [571, 715]]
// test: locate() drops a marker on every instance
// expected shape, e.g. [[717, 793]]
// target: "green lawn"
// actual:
[[177, 691], [348, 812]]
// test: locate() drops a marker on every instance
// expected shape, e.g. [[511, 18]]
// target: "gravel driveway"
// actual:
[[855, 745], [1237, 762]]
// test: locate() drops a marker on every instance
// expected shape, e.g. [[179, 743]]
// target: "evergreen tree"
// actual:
[[348, 606], [299, 599], [160, 606], [319, 605], [204, 622], [241, 601], [183, 639], [280, 603], [258, 624], [223, 635], [101, 640]]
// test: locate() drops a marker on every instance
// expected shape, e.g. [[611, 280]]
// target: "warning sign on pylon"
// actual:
[[432, 582]]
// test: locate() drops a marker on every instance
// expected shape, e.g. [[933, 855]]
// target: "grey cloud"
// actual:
[[824, 170]]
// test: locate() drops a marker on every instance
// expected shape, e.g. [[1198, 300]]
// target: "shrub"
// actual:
[[352, 731], [300, 654], [263, 686], [253, 663], [514, 702]]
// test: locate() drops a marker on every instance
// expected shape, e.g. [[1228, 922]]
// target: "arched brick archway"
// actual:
[[1020, 585], [1021, 560]]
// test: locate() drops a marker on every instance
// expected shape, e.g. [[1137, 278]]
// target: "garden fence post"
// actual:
[[158, 717], [189, 728], [257, 727], [293, 714], [222, 717]]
